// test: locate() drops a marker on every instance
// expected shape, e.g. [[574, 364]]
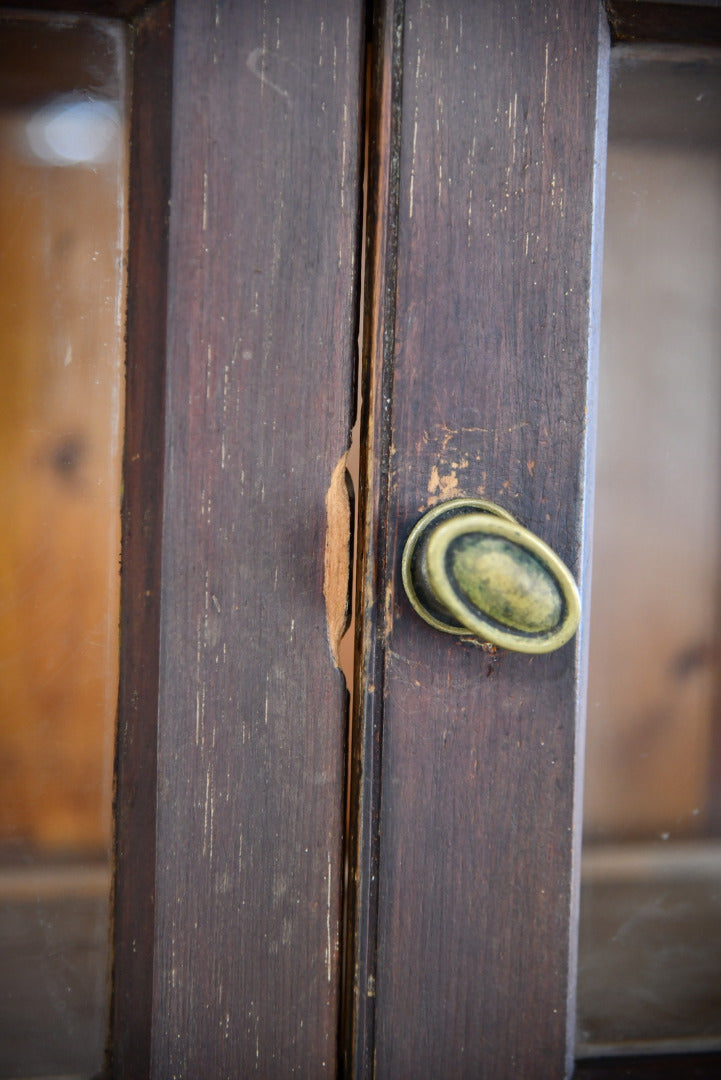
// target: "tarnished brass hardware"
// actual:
[[469, 568]]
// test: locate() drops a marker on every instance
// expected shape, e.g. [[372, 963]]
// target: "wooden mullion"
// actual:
[[263, 299]]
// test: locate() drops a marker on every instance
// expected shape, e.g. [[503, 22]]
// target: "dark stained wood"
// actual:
[[685, 22], [485, 364], [264, 234], [653, 1067], [384, 129], [149, 193]]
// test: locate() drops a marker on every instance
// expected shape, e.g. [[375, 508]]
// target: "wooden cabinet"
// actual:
[[412, 913]]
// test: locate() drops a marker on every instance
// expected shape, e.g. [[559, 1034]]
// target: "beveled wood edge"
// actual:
[[135, 796], [603, 70]]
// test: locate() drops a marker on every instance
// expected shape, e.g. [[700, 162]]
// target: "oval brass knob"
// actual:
[[470, 568]]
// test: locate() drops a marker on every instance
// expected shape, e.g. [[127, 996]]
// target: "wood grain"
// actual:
[[264, 233], [488, 378]]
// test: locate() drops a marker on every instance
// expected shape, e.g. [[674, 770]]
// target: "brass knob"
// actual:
[[470, 568]]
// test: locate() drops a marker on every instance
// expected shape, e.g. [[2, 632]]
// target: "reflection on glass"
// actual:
[[650, 938], [62, 196]]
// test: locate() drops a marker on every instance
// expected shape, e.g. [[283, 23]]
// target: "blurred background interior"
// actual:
[[62, 220], [650, 935]]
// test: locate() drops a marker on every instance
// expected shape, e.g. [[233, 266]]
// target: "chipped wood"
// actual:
[[337, 565]]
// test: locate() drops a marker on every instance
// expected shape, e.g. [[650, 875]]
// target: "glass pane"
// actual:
[[62, 219], [650, 938]]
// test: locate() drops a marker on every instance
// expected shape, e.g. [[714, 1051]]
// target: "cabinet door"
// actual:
[[481, 347]]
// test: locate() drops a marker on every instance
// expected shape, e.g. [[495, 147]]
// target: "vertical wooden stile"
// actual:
[[243, 949], [477, 385]]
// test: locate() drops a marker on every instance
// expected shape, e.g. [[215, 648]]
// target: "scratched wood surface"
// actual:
[[489, 357], [251, 729]]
